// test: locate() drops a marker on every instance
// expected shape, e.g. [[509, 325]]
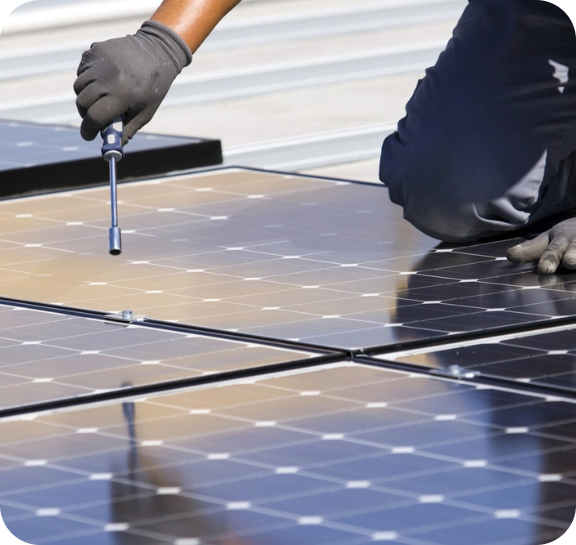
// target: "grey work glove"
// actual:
[[128, 76], [558, 245]]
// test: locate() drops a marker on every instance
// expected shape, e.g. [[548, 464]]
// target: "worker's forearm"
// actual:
[[193, 20]]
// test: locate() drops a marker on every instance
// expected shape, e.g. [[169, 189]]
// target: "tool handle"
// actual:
[[112, 136]]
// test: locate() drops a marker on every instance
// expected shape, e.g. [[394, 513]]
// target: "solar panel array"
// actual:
[[311, 369]]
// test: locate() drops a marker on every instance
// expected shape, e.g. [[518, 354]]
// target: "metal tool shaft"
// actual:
[[113, 192], [114, 234]]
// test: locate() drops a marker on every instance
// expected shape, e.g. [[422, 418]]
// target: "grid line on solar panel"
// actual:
[[46, 357], [316, 260], [258, 480]]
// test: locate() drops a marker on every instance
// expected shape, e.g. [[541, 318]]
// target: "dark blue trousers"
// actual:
[[488, 144]]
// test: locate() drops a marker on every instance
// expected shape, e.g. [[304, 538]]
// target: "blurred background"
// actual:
[[306, 85]]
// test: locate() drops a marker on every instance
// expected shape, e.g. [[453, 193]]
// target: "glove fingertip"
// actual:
[[569, 261], [515, 254], [547, 266], [133, 125], [128, 134], [87, 135]]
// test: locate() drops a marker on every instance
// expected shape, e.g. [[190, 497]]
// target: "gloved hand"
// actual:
[[550, 248], [128, 76]]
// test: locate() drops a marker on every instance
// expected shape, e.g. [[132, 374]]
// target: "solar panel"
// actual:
[[342, 454], [39, 158], [283, 256], [48, 357]]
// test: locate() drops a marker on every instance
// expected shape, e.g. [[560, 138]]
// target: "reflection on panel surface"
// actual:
[[344, 454], [322, 261], [47, 356]]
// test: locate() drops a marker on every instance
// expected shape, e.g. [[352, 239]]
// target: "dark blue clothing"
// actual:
[[488, 144]]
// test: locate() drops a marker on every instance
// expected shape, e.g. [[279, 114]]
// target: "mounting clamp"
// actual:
[[126, 317], [454, 371]]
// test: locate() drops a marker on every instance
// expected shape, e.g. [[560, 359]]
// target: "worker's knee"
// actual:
[[437, 209], [449, 195]]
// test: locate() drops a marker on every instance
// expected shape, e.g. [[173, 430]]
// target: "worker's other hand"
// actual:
[[558, 245], [128, 76]]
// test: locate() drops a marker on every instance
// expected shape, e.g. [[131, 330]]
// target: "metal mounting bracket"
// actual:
[[126, 317], [454, 371]]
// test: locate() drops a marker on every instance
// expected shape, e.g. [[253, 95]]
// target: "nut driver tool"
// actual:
[[113, 152]]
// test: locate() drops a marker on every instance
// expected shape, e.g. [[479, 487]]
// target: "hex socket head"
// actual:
[[115, 240]]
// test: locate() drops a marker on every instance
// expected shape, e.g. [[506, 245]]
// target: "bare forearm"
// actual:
[[193, 20]]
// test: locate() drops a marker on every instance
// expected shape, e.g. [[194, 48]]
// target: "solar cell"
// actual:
[[320, 261], [343, 454]]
